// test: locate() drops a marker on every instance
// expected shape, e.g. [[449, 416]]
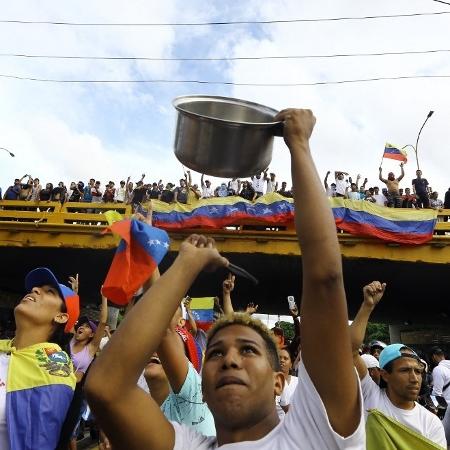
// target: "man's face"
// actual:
[[92, 182], [283, 185], [418, 173], [354, 188], [272, 177], [36, 181], [239, 384], [375, 351], [16, 181], [406, 378], [340, 176], [407, 191], [285, 361], [182, 183], [208, 183], [391, 176], [97, 184]]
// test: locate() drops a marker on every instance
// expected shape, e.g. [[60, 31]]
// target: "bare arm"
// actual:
[[202, 182], [380, 176], [373, 293], [324, 306], [112, 401], [192, 322], [402, 173], [325, 181], [100, 332], [227, 289]]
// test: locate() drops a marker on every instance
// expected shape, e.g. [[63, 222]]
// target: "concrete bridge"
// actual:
[[69, 240]]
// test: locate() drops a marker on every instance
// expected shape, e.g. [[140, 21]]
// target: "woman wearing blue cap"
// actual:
[[36, 377]]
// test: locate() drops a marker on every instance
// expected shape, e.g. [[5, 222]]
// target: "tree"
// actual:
[[377, 332]]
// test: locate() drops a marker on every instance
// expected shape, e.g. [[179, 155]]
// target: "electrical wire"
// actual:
[[440, 1], [233, 58], [236, 22], [227, 83]]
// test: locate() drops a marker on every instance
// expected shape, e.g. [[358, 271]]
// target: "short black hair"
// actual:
[[437, 351], [247, 321]]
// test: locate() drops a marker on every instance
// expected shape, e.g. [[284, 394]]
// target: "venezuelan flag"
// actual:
[[393, 152], [203, 311], [218, 212], [139, 253], [404, 226]]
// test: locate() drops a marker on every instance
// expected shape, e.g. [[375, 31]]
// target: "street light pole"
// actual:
[[6, 150], [418, 136]]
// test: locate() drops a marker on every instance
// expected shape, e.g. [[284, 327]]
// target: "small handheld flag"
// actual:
[[203, 311], [392, 152], [139, 253]]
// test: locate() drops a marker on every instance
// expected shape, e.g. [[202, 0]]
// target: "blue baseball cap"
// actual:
[[393, 352], [43, 276]]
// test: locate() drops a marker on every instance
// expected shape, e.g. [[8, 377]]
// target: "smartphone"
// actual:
[[291, 302]]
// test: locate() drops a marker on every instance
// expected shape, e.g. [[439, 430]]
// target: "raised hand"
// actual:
[[74, 283], [373, 293], [187, 302], [228, 284], [251, 308], [202, 251]]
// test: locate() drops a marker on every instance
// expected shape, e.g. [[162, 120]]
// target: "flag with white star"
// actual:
[[139, 253]]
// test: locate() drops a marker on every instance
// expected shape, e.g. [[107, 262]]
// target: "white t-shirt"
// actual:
[[120, 194], [270, 186], [354, 195], [4, 364], [288, 391], [234, 184], [418, 419], [305, 427], [258, 184], [207, 192], [380, 199], [341, 185], [441, 376]]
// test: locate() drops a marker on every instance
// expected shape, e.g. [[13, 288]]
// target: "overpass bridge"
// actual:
[[70, 240]]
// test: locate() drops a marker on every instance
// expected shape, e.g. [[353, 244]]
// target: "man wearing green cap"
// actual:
[[401, 377]]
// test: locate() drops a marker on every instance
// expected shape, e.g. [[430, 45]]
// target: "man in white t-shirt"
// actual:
[[401, 376], [258, 184], [341, 183], [380, 199], [207, 190], [241, 373], [272, 185], [441, 383]]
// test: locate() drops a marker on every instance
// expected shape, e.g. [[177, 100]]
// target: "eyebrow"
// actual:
[[240, 340]]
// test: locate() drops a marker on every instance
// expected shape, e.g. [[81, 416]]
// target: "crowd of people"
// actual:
[[159, 382], [419, 195]]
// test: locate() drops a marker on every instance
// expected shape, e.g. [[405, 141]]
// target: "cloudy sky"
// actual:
[[109, 131]]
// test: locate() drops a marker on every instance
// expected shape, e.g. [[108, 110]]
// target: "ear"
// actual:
[[278, 382], [384, 375], [61, 318]]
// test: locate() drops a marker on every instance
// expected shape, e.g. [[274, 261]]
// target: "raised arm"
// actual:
[[227, 289], [138, 337], [373, 293], [100, 332], [325, 181], [188, 178], [193, 324], [323, 307], [202, 182], [402, 174], [380, 176]]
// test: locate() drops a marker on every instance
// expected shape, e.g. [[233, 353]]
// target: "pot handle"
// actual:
[[278, 129]]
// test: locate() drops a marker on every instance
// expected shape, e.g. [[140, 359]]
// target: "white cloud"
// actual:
[[70, 131]]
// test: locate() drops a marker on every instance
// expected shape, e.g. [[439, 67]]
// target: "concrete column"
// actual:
[[394, 334]]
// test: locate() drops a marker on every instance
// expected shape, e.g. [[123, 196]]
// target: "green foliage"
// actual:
[[288, 329], [377, 332]]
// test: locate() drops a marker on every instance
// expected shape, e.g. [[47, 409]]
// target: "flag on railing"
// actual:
[[404, 226], [202, 309], [393, 152], [139, 253]]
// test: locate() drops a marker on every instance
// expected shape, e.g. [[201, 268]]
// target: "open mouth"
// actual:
[[30, 298], [154, 360]]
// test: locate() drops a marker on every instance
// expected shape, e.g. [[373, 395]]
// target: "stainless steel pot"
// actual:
[[224, 137]]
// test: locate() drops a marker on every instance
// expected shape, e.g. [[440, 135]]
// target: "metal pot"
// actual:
[[224, 137]]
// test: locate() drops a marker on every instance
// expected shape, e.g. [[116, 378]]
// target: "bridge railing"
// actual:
[[92, 215]]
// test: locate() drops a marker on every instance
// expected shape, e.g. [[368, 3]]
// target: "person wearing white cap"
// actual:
[[401, 378], [373, 367]]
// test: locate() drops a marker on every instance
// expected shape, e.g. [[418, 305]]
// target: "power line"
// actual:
[[233, 58], [440, 1], [237, 22], [227, 83]]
